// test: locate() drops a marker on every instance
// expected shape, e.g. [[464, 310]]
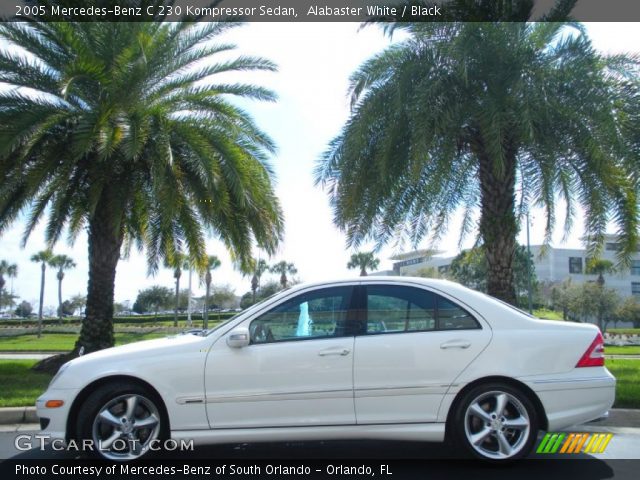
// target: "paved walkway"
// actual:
[[25, 356]]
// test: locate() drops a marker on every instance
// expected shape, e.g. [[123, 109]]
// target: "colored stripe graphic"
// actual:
[[574, 443]]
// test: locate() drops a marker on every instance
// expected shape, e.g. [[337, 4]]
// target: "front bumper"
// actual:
[[56, 426]]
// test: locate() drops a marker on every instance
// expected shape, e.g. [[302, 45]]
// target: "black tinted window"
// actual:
[[317, 314], [399, 309], [452, 317], [395, 308]]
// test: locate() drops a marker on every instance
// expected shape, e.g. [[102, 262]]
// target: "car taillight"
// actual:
[[594, 356]]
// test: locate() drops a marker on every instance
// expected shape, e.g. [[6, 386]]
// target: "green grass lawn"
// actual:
[[547, 314], [627, 372], [62, 342], [20, 385], [627, 350]]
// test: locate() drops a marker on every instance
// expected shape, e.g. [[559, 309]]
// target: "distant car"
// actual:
[[387, 358]]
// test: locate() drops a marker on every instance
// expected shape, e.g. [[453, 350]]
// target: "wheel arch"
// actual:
[[543, 422], [91, 387]]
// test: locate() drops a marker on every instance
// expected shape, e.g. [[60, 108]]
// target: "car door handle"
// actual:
[[334, 351], [455, 344]]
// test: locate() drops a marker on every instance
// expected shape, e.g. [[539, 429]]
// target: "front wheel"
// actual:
[[123, 422], [496, 422]]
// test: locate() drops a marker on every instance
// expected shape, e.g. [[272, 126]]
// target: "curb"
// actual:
[[12, 415]]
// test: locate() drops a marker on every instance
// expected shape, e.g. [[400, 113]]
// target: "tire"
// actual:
[[495, 422], [122, 420]]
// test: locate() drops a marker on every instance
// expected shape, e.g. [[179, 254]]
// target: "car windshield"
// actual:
[[255, 306]]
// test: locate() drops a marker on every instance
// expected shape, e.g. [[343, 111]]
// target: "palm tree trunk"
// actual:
[[43, 267], [205, 323], [363, 272], [254, 288], [59, 298], [175, 313], [104, 253], [189, 323], [498, 225]]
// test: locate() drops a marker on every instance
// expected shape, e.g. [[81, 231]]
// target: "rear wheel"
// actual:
[[496, 422], [123, 421]]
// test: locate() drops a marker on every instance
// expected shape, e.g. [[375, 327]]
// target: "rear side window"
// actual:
[[395, 309]]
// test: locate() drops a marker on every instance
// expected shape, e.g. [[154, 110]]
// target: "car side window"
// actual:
[[453, 317], [396, 308], [393, 308], [317, 314]]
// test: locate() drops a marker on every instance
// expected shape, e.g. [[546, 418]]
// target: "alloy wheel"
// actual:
[[497, 425], [125, 427]]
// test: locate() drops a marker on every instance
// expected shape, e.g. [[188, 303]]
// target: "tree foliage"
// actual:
[[24, 309], [127, 130], [153, 299], [490, 118], [363, 261], [283, 268], [588, 301], [470, 268], [629, 311]]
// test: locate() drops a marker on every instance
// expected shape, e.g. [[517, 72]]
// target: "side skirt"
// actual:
[[423, 432]]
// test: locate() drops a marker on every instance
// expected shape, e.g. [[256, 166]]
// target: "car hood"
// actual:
[[146, 347]]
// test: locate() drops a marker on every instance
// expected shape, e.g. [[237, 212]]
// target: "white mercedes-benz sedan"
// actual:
[[376, 357]]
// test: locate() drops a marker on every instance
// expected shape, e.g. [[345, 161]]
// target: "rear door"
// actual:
[[412, 344]]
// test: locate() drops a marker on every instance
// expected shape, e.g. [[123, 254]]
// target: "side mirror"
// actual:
[[239, 337]]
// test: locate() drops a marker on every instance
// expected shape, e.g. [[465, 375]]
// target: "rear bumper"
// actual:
[[577, 397]]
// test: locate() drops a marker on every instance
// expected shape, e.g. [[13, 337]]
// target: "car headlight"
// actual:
[[57, 375]]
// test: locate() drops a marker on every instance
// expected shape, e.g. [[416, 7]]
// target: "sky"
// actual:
[[315, 61]]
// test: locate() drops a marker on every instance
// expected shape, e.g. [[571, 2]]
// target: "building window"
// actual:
[[575, 264], [635, 267], [635, 289], [616, 247]]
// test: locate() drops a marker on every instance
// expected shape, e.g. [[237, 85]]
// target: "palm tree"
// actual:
[[212, 263], [489, 118], [62, 263], [188, 265], [283, 268], [260, 267], [129, 136], [44, 258], [178, 262], [363, 260], [8, 269], [599, 266], [12, 272]]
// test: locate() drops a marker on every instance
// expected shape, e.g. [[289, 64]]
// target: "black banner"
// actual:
[[584, 469], [317, 10]]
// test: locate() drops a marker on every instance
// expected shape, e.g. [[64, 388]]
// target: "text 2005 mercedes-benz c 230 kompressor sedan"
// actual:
[[384, 358]]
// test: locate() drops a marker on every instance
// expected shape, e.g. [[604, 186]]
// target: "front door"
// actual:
[[297, 370]]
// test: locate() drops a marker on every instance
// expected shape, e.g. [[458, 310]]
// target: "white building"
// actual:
[[551, 265]]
